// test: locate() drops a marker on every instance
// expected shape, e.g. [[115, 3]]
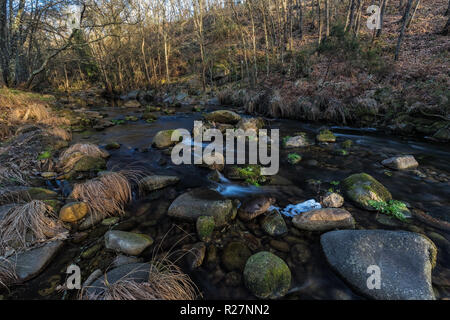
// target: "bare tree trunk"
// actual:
[[413, 13], [327, 19], [300, 18], [352, 15], [402, 31], [448, 9], [319, 16], [383, 11], [446, 30]]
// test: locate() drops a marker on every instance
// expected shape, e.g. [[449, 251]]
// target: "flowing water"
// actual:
[[312, 277]]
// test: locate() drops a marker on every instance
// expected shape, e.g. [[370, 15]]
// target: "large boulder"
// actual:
[[400, 163], [155, 182], [223, 116], [362, 187], [267, 276], [127, 242], [404, 259], [324, 219], [202, 202]]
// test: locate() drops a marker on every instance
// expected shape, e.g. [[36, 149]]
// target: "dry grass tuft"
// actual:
[[27, 224], [8, 175], [35, 112], [166, 282], [72, 154], [60, 133], [106, 195], [7, 273]]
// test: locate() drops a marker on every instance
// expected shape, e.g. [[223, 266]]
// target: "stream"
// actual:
[[427, 189]]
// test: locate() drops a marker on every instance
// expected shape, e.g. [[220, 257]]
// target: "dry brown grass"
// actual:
[[106, 195], [8, 175], [72, 154], [7, 273], [60, 133], [166, 282], [27, 224]]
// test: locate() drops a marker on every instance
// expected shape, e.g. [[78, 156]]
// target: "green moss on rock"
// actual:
[[205, 227], [267, 276], [326, 136], [362, 187]]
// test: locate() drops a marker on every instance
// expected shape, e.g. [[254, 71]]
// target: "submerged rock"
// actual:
[[202, 202], [223, 116], [267, 276], [235, 256], [155, 182], [41, 194], [205, 227], [405, 260], [401, 163], [333, 200], [30, 263], [255, 207], [73, 212], [195, 255], [127, 242], [362, 187], [324, 219], [273, 224], [137, 272]]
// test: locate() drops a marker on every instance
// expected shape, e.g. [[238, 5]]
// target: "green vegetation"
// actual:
[[392, 208], [118, 121], [294, 158], [251, 174], [47, 154]]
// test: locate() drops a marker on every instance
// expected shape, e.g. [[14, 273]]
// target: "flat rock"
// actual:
[[73, 212], [223, 116], [324, 219], [29, 264], [127, 242], [405, 260], [401, 163], [202, 202], [151, 183]]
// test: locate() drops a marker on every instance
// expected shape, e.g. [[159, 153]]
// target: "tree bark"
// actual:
[[402, 31], [383, 11]]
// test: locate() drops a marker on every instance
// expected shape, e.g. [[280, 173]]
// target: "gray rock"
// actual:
[[90, 221], [333, 200], [273, 224], [138, 272], [127, 242], [121, 259], [405, 260], [151, 183], [163, 139], [296, 142], [223, 116], [196, 255], [202, 202], [324, 219], [29, 264], [401, 163]]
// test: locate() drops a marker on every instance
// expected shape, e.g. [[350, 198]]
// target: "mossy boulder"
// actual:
[[267, 276], [223, 116], [73, 212], [235, 255], [326, 136], [163, 139], [205, 227], [362, 187]]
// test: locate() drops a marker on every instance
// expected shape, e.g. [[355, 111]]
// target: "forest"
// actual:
[[224, 150]]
